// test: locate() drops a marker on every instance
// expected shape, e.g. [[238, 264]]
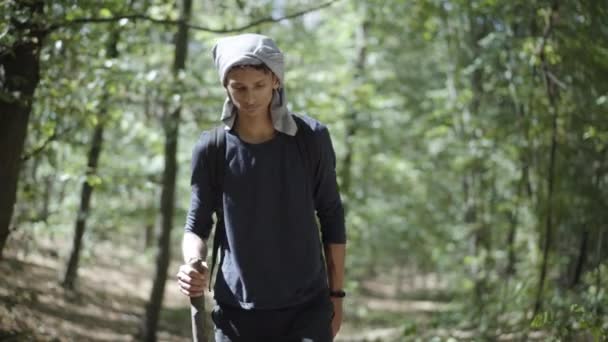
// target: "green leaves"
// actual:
[[105, 13], [438, 112], [94, 180]]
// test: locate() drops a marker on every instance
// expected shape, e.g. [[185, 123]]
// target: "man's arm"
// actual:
[[193, 247], [192, 276], [330, 212], [334, 257]]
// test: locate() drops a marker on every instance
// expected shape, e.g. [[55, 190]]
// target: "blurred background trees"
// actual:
[[471, 136]]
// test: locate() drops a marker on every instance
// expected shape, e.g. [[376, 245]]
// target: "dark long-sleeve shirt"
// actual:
[[272, 251]]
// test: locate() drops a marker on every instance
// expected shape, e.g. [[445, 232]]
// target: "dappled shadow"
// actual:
[[34, 307], [176, 321], [33, 295]]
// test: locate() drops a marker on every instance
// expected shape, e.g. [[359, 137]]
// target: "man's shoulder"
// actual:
[[209, 138], [308, 123]]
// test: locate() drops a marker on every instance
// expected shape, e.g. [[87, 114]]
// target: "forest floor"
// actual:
[[115, 281]]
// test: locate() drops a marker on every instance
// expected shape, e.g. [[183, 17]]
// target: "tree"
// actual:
[[90, 178], [171, 122], [19, 63]]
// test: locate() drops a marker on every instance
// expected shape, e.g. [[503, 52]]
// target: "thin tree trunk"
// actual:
[[164, 237], [352, 128], [352, 124], [171, 125], [71, 271], [513, 217], [548, 233], [149, 235], [21, 69], [511, 258], [462, 123], [148, 114], [598, 274], [599, 175], [49, 181], [477, 30], [581, 259], [524, 182], [551, 89]]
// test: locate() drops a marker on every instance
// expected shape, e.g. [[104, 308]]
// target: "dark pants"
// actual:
[[309, 322]]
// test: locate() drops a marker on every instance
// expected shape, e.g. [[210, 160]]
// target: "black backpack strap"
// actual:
[[308, 148], [217, 154]]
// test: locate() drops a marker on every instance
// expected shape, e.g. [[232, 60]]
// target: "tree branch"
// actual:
[[556, 80], [540, 49], [135, 17], [43, 146]]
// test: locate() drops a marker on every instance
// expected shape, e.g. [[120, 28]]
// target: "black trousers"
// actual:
[[308, 322]]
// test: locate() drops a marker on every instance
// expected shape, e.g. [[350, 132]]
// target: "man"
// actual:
[[273, 283]]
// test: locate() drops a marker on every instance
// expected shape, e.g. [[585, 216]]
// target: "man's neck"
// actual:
[[255, 130]]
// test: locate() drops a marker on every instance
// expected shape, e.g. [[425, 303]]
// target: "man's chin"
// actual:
[[253, 112]]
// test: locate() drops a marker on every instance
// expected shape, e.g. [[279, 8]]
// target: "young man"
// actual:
[[273, 283]]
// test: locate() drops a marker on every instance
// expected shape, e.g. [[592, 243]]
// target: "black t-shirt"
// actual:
[[272, 252]]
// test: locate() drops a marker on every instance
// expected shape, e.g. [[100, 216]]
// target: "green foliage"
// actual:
[[440, 116], [576, 315]]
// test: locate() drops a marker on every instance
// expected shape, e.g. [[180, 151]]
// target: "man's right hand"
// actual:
[[192, 278]]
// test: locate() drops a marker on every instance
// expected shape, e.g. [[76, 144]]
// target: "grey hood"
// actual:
[[254, 49]]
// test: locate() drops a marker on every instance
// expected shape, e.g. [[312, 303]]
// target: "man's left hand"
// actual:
[[336, 322]]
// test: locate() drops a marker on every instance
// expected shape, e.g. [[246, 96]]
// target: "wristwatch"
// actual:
[[337, 294]]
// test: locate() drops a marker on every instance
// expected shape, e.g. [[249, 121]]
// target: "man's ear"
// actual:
[[275, 82]]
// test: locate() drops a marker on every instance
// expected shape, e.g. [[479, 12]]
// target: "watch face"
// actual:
[[338, 294]]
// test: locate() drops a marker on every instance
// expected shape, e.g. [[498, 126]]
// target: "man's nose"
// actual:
[[250, 98]]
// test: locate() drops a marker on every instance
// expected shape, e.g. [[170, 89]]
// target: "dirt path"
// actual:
[[113, 288], [107, 306]]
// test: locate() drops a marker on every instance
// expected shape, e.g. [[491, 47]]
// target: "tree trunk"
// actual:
[[513, 217], [551, 89], [20, 65], [523, 184], [511, 259], [352, 124], [598, 273], [171, 125], [478, 30], [461, 58], [164, 237], [581, 259], [49, 181], [149, 235], [71, 271]]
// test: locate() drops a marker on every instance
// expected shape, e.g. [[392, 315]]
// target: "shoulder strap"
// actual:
[[217, 154], [307, 148]]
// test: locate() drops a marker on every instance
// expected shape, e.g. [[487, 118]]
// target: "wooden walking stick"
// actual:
[[197, 310]]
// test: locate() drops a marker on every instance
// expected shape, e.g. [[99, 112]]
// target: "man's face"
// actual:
[[251, 90]]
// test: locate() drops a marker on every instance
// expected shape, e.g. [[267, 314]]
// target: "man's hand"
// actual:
[[336, 322], [192, 278]]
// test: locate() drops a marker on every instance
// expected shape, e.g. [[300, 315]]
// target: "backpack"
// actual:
[[215, 157]]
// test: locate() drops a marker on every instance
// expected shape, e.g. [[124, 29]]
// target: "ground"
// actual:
[[114, 282]]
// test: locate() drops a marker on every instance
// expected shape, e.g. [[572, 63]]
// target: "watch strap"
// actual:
[[337, 293]]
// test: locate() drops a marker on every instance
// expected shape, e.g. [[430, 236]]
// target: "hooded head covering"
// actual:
[[254, 49]]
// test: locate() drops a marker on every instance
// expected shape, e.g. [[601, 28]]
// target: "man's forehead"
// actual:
[[247, 75]]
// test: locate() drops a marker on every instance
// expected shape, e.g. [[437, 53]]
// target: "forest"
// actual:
[[471, 139]]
